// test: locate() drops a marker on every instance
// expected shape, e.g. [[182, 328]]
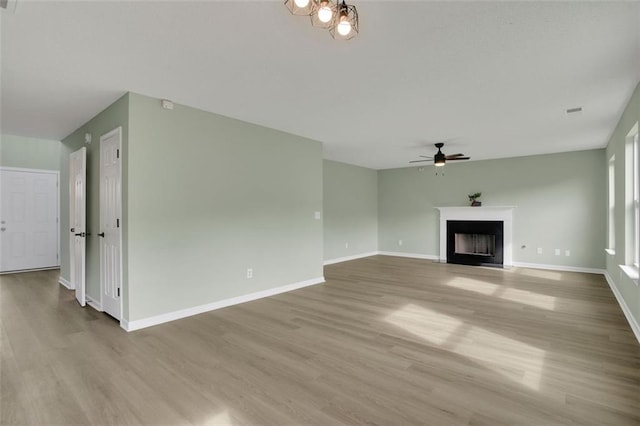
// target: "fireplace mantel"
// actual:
[[499, 213]]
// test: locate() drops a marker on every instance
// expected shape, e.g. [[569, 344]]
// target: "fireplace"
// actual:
[[475, 242], [480, 246]]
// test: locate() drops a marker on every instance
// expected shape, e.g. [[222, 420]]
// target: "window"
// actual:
[[612, 207], [636, 202], [632, 207]]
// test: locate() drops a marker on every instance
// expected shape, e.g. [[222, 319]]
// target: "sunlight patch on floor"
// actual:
[[538, 273], [513, 359], [219, 419], [425, 323], [530, 298], [473, 285]]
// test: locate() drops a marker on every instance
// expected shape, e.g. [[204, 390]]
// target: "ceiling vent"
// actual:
[[574, 110], [9, 5]]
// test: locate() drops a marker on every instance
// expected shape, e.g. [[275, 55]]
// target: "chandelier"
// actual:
[[337, 16]]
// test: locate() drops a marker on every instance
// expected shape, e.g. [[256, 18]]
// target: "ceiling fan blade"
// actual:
[[419, 161], [455, 155], [458, 158]]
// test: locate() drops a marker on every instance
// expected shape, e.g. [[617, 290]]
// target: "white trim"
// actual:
[[623, 305], [21, 271], [610, 252], [65, 283], [411, 255], [631, 272], [348, 258], [183, 313], [437, 259], [559, 267], [21, 169], [93, 303]]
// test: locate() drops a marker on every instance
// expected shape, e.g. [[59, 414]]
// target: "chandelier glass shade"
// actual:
[[323, 13], [299, 7], [336, 16], [345, 25]]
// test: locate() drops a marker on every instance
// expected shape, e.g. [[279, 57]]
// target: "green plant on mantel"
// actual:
[[473, 199]]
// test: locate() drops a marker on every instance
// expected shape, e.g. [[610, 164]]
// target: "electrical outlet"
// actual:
[[557, 252], [567, 253], [539, 250], [399, 242], [317, 215], [346, 245], [249, 273]]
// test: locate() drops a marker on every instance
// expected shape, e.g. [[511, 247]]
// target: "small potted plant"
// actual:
[[473, 199]]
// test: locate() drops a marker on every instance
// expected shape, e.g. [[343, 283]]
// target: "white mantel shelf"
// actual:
[[497, 213]]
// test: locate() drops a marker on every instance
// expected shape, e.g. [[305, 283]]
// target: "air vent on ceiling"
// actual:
[[9, 5], [574, 110]]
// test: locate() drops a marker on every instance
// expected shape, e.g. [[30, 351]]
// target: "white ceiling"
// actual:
[[495, 77]]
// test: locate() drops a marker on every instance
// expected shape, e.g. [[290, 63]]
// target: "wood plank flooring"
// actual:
[[385, 341]]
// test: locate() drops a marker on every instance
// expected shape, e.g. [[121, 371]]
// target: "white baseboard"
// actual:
[[65, 283], [93, 303], [559, 268], [348, 258], [411, 255], [183, 313], [635, 327], [437, 258], [26, 271]]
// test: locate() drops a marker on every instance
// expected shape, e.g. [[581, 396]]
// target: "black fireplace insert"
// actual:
[[475, 242]]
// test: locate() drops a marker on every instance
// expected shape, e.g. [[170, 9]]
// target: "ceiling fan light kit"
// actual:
[[440, 159], [340, 18]]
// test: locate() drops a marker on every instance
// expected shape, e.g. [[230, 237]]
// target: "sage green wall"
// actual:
[[114, 116], [350, 206], [211, 196], [560, 201], [29, 153], [629, 290]]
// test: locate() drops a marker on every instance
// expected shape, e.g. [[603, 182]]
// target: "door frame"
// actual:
[[44, 171], [117, 131]]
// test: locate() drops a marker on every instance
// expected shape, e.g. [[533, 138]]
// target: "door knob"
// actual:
[[82, 234], [101, 234], [3, 229]]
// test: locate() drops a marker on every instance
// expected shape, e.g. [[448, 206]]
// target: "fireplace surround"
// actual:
[[501, 214]]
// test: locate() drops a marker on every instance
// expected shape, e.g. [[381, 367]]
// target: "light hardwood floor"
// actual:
[[385, 341]]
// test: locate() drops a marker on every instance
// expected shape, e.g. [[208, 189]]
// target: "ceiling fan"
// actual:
[[440, 159]]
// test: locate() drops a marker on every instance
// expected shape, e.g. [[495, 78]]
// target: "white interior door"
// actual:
[[77, 221], [28, 219], [110, 222]]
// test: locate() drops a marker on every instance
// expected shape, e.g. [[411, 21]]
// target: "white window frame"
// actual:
[[611, 225], [631, 267], [636, 203]]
